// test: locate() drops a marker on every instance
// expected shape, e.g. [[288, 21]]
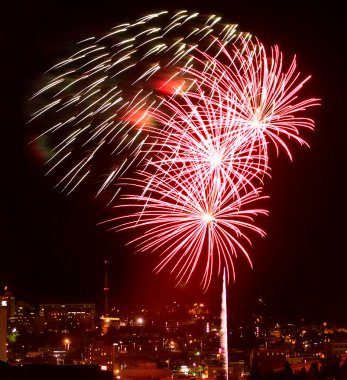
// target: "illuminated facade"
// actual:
[[269, 359], [10, 302], [107, 322], [3, 331], [66, 318], [24, 319], [99, 353], [172, 326]]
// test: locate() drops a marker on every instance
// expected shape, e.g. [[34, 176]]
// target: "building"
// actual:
[[107, 322], [10, 303], [3, 331], [144, 371], [67, 318], [54, 372], [100, 353], [24, 319], [172, 326], [337, 348], [268, 359]]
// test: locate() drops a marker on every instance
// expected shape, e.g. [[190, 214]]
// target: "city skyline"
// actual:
[[52, 246], [176, 339]]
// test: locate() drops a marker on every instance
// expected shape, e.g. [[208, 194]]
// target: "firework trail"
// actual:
[[224, 328], [190, 110], [99, 96]]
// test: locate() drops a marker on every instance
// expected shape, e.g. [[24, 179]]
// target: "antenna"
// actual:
[[106, 289]]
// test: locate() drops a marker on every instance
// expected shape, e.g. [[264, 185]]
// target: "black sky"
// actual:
[[51, 247]]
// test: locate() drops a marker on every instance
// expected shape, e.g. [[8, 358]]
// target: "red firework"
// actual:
[[256, 89], [195, 193], [189, 223]]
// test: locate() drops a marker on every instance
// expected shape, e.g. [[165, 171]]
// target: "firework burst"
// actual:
[[188, 107], [189, 223], [209, 156], [261, 95], [204, 143]]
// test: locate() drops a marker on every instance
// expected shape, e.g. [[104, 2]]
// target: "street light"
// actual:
[[67, 344]]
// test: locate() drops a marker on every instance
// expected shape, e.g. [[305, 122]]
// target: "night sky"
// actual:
[[52, 249]]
